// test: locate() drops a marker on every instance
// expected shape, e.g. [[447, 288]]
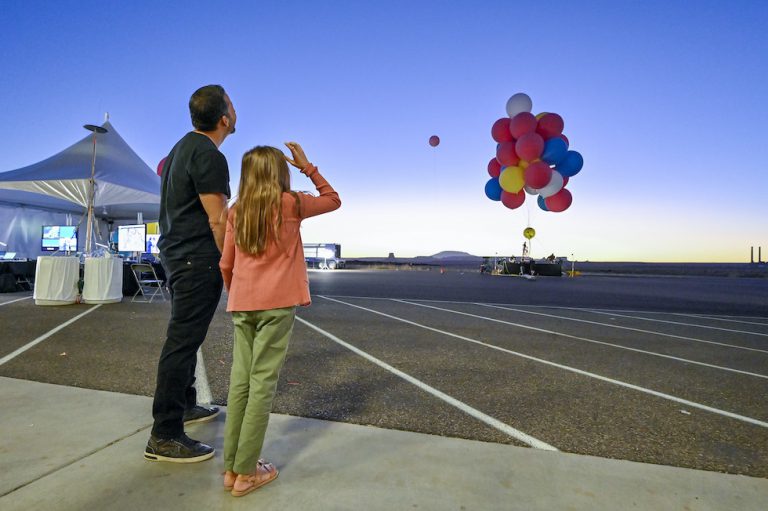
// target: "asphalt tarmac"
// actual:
[[664, 370]]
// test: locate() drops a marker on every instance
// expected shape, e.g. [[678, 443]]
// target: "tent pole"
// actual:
[[89, 225], [91, 187]]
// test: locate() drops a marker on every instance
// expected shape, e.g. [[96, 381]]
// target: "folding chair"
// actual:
[[25, 275], [149, 284]]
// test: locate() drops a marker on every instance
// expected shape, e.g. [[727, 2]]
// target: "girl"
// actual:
[[266, 278]]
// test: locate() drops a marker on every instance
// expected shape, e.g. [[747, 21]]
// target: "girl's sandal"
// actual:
[[230, 477], [229, 480], [265, 473]]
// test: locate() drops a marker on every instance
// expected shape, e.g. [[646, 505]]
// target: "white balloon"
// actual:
[[555, 185], [530, 191], [520, 102]]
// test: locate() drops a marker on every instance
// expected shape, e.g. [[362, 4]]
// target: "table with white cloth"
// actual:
[[103, 280], [56, 280]]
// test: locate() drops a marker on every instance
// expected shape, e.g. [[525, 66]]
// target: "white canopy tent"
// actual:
[[46, 192]]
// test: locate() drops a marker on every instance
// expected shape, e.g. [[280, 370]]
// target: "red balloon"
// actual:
[[559, 202], [537, 175], [494, 168], [513, 200], [565, 180], [160, 167], [434, 140], [565, 139], [550, 125], [506, 154], [522, 123], [530, 146], [500, 130]]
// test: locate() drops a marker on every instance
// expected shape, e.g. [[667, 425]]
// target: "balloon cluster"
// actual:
[[532, 156]]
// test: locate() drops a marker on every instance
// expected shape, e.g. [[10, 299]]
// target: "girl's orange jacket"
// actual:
[[277, 277]]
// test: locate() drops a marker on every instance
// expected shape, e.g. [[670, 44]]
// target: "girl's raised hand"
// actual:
[[299, 159]]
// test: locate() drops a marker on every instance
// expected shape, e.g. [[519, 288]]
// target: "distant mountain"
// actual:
[[453, 254]]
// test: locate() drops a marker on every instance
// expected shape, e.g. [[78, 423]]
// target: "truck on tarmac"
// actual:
[[325, 256]]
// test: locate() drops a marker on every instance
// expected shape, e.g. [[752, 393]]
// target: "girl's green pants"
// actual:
[[261, 341]]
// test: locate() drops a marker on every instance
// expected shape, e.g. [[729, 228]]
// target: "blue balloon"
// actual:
[[571, 164], [542, 204], [555, 150], [493, 189]]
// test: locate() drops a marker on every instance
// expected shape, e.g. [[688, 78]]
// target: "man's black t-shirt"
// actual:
[[194, 166]]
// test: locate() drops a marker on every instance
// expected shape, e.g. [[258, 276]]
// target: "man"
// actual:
[[193, 214]]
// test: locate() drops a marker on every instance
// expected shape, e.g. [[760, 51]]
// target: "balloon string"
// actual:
[[528, 210]]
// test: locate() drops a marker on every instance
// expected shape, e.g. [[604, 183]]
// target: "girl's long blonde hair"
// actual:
[[264, 177]]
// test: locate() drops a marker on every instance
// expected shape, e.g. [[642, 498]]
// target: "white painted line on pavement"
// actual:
[[644, 390], [14, 301], [614, 326], [43, 337], [721, 318], [201, 380], [631, 311], [638, 311], [477, 414], [593, 341], [594, 311]]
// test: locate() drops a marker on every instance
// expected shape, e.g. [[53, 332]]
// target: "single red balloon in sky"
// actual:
[[434, 140], [160, 167]]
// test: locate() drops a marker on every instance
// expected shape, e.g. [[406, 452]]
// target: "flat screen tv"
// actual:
[[152, 240], [131, 238], [59, 237]]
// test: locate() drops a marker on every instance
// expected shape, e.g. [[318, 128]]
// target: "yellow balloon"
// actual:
[[529, 232], [511, 179], [523, 164], [542, 114]]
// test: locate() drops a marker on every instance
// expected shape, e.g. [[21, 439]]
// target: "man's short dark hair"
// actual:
[[206, 106]]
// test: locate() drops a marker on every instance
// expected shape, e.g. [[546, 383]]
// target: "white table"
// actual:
[[103, 280], [56, 280]]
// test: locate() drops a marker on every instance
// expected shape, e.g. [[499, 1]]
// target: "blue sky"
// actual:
[[666, 102]]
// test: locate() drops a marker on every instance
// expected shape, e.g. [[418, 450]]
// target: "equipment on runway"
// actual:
[[521, 267], [326, 256]]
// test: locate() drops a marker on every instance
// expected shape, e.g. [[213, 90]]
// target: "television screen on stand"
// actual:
[[59, 238], [131, 238], [152, 240]]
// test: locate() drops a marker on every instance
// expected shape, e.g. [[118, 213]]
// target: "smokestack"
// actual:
[[752, 255], [759, 255]]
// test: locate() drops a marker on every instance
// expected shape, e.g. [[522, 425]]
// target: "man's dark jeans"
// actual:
[[195, 285]]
